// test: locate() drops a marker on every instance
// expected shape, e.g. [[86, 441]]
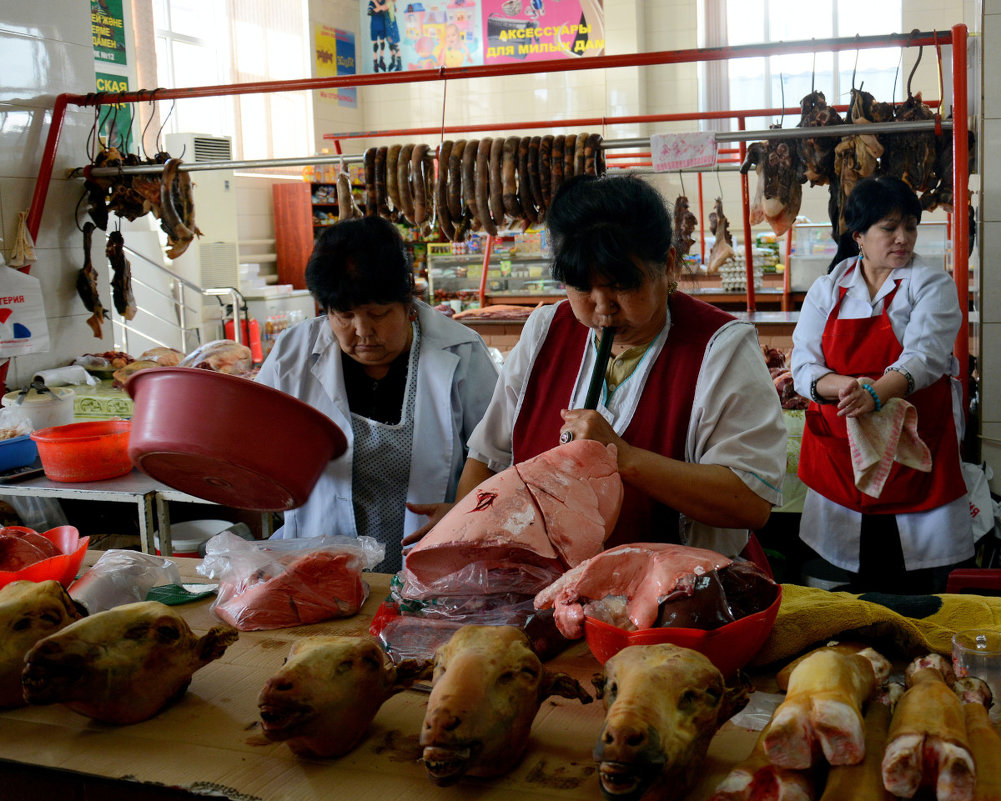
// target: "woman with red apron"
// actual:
[[908, 537]]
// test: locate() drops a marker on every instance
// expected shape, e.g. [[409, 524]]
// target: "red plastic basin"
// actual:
[[228, 439], [729, 647], [84, 451], [62, 568]]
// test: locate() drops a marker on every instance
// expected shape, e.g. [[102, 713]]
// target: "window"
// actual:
[[215, 42], [778, 81]]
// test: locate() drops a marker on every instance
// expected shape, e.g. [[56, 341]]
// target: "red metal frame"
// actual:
[[957, 39]]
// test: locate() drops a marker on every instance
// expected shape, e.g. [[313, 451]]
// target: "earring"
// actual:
[[672, 288], [412, 315]]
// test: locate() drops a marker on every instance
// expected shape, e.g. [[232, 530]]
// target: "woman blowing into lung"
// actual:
[[686, 400]]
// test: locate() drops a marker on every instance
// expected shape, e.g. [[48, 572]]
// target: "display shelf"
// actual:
[[511, 278]]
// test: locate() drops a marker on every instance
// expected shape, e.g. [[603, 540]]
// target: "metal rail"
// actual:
[[957, 38]]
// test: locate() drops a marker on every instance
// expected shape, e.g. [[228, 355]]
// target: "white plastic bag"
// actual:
[[122, 577], [984, 510]]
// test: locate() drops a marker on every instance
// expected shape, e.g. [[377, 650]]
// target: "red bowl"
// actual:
[[62, 568], [90, 451], [228, 439], [729, 647]]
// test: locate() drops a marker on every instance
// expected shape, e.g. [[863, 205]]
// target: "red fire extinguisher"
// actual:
[[250, 335]]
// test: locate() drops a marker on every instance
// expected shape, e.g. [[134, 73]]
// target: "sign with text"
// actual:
[[115, 119], [107, 25], [335, 55]]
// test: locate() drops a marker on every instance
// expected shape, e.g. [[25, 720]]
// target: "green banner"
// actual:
[[116, 120], [107, 27]]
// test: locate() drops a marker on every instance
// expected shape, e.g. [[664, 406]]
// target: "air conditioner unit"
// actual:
[[211, 260]]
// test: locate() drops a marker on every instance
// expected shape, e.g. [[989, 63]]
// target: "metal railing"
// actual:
[[181, 308]]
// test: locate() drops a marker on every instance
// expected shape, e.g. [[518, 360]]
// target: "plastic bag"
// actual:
[[275, 584], [413, 628], [14, 422], [122, 577], [984, 510]]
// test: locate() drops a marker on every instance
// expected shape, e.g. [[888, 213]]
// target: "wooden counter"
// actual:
[[210, 741]]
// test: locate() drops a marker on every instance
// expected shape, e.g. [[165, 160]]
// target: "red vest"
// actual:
[[865, 347], [662, 416]]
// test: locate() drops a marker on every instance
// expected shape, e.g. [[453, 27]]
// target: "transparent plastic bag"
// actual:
[[275, 584], [410, 627], [14, 422], [122, 577]]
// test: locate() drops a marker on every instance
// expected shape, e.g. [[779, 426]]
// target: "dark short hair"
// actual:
[[872, 199], [598, 224], [359, 261]]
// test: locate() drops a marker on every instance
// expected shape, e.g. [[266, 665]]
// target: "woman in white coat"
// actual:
[[880, 326], [406, 385]]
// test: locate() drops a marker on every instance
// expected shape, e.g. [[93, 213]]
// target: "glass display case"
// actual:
[[518, 271]]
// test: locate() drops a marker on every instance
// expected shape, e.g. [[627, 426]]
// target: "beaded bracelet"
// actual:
[[875, 397]]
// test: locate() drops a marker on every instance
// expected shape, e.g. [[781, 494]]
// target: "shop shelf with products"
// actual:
[[517, 272]]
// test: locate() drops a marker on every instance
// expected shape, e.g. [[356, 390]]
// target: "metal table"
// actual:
[[136, 488]]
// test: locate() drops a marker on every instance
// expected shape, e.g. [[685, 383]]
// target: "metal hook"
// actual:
[[682, 179], [173, 103]]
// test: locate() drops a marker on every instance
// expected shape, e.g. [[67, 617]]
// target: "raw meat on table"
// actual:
[[554, 510], [314, 586]]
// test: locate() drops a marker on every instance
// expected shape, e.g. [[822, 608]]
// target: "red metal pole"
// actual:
[[486, 266], [34, 218], [702, 226], [960, 182], [745, 198]]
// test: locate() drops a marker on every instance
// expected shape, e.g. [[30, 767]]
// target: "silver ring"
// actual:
[[566, 437]]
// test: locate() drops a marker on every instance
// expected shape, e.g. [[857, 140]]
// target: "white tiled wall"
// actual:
[[45, 50], [990, 245]]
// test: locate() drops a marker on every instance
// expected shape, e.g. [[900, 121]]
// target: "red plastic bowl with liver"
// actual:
[[729, 647]]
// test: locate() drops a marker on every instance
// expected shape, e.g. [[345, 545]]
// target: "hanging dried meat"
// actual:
[[722, 249], [817, 153], [941, 195], [857, 156], [121, 280], [177, 208], [780, 182], [684, 226], [86, 286], [911, 156]]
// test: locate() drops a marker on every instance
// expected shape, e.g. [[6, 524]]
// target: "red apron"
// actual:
[[865, 347], [660, 422]]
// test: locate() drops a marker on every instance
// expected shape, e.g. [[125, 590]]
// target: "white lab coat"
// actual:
[[455, 379]]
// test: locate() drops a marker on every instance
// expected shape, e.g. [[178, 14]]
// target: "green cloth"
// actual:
[[175, 594], [896, 625]]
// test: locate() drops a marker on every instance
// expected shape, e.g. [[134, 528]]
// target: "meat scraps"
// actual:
[[21, 547], [313, 586]]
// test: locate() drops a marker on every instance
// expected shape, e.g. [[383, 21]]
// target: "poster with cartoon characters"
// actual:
[[538, 30], [397, 36]]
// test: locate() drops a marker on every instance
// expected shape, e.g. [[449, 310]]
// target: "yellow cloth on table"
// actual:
[[916, 625], [879, 439]]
